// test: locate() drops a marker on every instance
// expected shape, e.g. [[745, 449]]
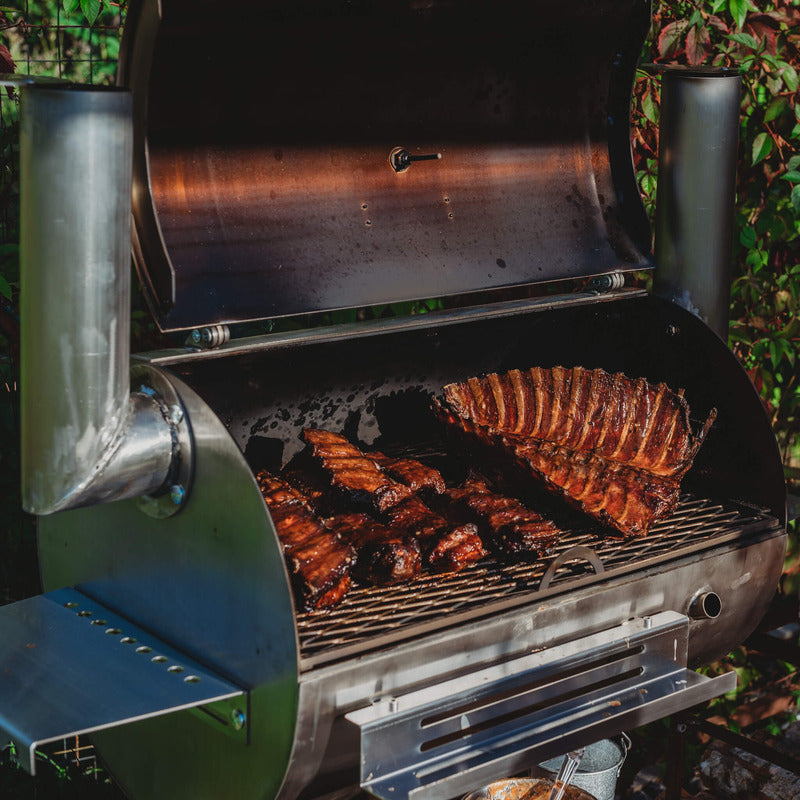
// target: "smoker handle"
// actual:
[[573, 554]]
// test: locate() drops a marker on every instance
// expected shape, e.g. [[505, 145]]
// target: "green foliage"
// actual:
[[762, 40]]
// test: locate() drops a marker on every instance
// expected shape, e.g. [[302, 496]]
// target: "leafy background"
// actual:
[[79, 39]]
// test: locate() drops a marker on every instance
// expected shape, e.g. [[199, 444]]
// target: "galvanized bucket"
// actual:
[[599, 768]]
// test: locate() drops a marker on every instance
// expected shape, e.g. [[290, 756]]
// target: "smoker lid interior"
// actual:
[[263, 182]]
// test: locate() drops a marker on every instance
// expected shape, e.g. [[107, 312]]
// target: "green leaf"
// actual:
[[745, 39], [747, 236], [793, 162], [789, 75], [762, 147], [649, 108], [777, 107], [70, 6], [739, 9], [718, 5], [5, 288], [796, 199], [90, 8], [792, 176]]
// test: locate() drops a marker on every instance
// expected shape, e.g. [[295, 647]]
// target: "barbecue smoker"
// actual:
[[357, 154]]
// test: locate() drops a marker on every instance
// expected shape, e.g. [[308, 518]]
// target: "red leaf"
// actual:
[[760, 27], [6, 62], [717, 23], [698, 43], [7, 65], [669, 40]]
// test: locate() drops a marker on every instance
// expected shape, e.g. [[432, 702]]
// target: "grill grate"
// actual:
[[370, 617]]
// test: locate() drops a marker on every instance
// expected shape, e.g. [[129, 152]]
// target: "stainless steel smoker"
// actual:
[[359, 154]]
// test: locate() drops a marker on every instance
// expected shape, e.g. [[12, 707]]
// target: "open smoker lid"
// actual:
[[263, 181]]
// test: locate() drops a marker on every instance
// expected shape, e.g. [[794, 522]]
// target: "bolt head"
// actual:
[[177, 494], [238, 718]]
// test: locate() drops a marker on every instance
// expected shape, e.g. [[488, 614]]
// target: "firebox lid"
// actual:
[[365, 152]]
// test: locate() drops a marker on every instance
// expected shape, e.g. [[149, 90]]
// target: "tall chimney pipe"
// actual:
[[85, 437], [698, 141]]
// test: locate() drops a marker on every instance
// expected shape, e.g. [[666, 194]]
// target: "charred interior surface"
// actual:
[[376, 390], [272, 192]]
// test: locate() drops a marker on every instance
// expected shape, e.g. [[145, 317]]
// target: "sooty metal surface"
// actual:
[[372, 617]]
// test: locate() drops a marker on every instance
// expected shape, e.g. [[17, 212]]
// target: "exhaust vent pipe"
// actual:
[[698, 141], [85, 437]]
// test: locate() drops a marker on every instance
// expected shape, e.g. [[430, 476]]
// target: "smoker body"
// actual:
[[218, 567], [335, 177]]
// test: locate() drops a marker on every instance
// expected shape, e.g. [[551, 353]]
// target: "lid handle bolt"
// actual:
[[401, 159]]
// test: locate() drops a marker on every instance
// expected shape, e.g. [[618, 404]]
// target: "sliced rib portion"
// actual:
[[319, 560], [384, 556], [352, 472], [447, 548], [618, 418], [504, 522], [414, 474]]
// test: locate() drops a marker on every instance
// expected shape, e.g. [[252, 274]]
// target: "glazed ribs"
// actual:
[[319, 560], [353, 473], [615, 417], [417, 476], [445, 547], [504, 523], [383, 557], [613, 446]]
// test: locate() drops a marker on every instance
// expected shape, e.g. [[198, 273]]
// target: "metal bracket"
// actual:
[[70, 666], [444, 740]]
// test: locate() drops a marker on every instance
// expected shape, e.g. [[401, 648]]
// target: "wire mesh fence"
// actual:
[[41, 38]]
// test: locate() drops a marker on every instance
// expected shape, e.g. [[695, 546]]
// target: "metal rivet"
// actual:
[[394, 704], [648, 622], [238, 718], [673, 330]]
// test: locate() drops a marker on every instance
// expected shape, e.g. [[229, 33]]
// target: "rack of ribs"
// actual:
[[614, 446], [319, 561]]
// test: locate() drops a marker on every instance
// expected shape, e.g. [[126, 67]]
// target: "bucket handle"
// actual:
[[626, 747]]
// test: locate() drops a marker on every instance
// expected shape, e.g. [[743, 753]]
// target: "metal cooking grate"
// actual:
[[369, 616]]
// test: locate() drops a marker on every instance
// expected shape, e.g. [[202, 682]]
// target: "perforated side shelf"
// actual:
[[71, 666]]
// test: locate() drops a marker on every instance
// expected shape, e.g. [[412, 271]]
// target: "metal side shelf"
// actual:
[[70, 666], [444, 740]]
